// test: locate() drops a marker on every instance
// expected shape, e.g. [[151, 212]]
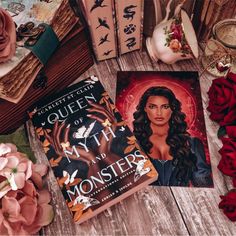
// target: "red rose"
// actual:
[[234, 182], [176, 32], [227, 164], [222, 100], [7, 36], [228, 204], [231, 131]]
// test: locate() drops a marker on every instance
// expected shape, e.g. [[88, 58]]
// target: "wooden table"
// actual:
[[153, 210]]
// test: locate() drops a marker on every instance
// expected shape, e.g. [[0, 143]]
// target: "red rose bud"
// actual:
[[228, 205], [227, 164], [222, 95]]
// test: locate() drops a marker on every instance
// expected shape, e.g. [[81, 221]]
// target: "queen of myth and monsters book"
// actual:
[[92, 152]]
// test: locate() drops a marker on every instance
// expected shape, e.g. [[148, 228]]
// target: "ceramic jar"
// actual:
[[173, 40]]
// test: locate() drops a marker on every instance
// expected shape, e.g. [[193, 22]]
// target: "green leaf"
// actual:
[[221, 132], [20, 139]]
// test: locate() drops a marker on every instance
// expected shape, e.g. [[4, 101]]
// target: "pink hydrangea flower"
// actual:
[[25, 211], [17, 169], [24, 205], [7, 148]]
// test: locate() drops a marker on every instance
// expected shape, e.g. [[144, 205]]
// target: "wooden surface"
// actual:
[[153, 210]]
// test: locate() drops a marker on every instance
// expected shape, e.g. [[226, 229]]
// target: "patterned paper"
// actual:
[[99, 15]]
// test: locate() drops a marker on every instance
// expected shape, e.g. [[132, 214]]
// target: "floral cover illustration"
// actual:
[[175, 38], [92, 152]]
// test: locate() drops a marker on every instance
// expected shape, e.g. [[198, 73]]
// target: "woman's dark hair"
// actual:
[[178, 137]]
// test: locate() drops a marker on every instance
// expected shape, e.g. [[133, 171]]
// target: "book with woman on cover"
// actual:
[[164, 110], [92, 152]]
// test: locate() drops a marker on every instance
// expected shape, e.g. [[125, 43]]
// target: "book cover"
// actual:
[[100, 19], [164, 111], [92, 152], [129, 17]]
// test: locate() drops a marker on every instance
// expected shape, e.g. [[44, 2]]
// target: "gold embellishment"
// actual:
[[106, 123], [65, 145]]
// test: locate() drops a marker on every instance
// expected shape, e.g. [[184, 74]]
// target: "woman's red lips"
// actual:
[[159, 118]]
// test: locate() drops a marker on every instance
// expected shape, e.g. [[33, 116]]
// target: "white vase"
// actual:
[[173, 40]]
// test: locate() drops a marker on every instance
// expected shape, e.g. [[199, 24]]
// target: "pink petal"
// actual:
[[37, 179], [22, 167], [22, 231], [6, 188], [12, 147], [29, 189], [11, 180], [1, 217], [31, 229], [44, 197], [7, 228], [16, 227], [4, 149], [45, 215], [19, 180], [12, 162], [3, 162], [11, 206], [29, 170], [40, 168], [28, 209]]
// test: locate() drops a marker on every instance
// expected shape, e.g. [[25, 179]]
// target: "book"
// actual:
[[99, 15], [92, 152], [164, 111], [129, 18], [18, 73], [71, 59]]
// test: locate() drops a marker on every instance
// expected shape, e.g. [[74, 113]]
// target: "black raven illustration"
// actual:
[[107, 52], [97, 3], [103, 39], [102, 23]]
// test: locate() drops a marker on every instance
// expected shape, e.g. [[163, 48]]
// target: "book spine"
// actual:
[[100, 20], [129, 16]]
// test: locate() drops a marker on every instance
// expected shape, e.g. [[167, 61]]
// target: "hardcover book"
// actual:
[[40, 25], [99, 17], [164, 111], [71, 59], [92, 152], [129, 17]]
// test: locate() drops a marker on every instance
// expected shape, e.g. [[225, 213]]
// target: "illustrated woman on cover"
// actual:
[[161, 129]]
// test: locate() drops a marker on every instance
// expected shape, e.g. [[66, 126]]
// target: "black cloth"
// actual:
[[199, 177]]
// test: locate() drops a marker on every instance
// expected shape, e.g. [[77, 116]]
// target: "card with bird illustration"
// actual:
[[93, 153]]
